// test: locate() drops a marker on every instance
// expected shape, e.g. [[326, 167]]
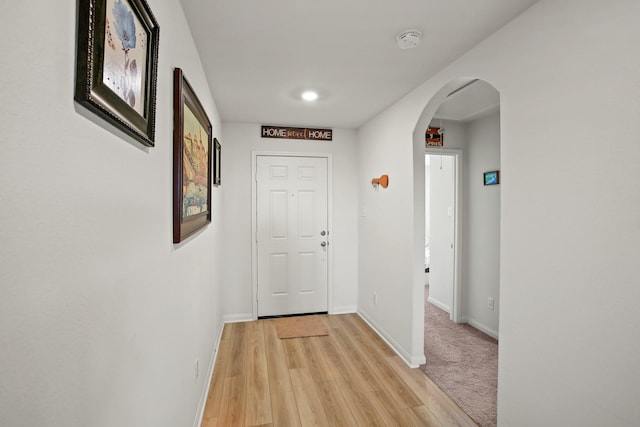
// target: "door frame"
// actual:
[[456, 303], [254, 221]]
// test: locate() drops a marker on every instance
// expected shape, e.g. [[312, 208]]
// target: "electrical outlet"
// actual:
[[375, 298], [196, 366], [490, 304]]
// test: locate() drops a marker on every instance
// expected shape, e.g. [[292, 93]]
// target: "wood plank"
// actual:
[[376, 351], [346, 386], [387, 411], [441, 406], [238, 351], [279, 380], [426, 416], [334, 404], [381, 377], [409, 418], [400, 416], [360, 383], [412, 417], [335, 363], [284, 409], [359, 369], [258, 406], [359, 403], [211, 414], [232, 412], [310, 409], [335, 321], [368, 336], [294, 353], [320, 368]]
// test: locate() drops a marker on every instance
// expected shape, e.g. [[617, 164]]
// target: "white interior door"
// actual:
[[291, 234], [442, 227]]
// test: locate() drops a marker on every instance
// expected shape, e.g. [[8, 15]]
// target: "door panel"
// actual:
[[279, 215], [306, 215], [291, 215], [279, 269]]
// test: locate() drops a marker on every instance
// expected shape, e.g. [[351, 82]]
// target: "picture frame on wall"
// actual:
[[217, 160], [117, 64], [192, 151], [492, 178]]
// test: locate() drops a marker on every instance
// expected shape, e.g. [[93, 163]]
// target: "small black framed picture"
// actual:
[[492, 178], [217, 162]]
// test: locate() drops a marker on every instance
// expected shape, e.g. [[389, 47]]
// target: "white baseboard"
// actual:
[[440, 305], [411, 361], [236, 318], [347, 309], [481, 327], [205, 392]]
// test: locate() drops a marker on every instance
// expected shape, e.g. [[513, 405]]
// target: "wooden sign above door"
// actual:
[[297, 133]]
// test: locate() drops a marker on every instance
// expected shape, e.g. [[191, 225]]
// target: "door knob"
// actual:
[[323, 244], [322, 233]]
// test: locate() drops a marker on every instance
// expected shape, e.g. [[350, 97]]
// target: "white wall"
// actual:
[[238, 141], [384, 259], [568, 328], [481, 226], [101, 316]]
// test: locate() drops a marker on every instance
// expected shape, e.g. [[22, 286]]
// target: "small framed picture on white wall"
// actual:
[[492, 178]]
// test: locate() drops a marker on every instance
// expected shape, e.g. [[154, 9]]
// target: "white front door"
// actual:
[[292, 234]]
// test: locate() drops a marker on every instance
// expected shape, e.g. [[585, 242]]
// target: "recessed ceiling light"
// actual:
[[309, 95]]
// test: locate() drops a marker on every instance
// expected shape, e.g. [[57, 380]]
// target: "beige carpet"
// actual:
[[300, 326], [463, 362]]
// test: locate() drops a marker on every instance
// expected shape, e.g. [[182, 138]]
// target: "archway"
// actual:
[[471, 127]]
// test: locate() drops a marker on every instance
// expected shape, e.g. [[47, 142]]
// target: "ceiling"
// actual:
[[469, 102], [259, 55]]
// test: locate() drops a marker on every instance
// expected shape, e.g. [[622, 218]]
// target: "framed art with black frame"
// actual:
[[492, 178], [192, 141], [217, 161], [117, 64]]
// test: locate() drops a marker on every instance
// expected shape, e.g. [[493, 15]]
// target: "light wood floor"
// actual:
[[349, 378]]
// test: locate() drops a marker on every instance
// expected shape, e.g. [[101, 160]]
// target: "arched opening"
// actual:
[[462, 225]]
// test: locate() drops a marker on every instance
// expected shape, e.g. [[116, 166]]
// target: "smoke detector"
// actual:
[[409, 38]]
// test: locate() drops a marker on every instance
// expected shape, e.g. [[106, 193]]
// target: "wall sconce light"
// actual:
[[383, 182]]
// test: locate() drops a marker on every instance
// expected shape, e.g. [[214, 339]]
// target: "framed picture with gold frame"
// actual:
[[192, 142]]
